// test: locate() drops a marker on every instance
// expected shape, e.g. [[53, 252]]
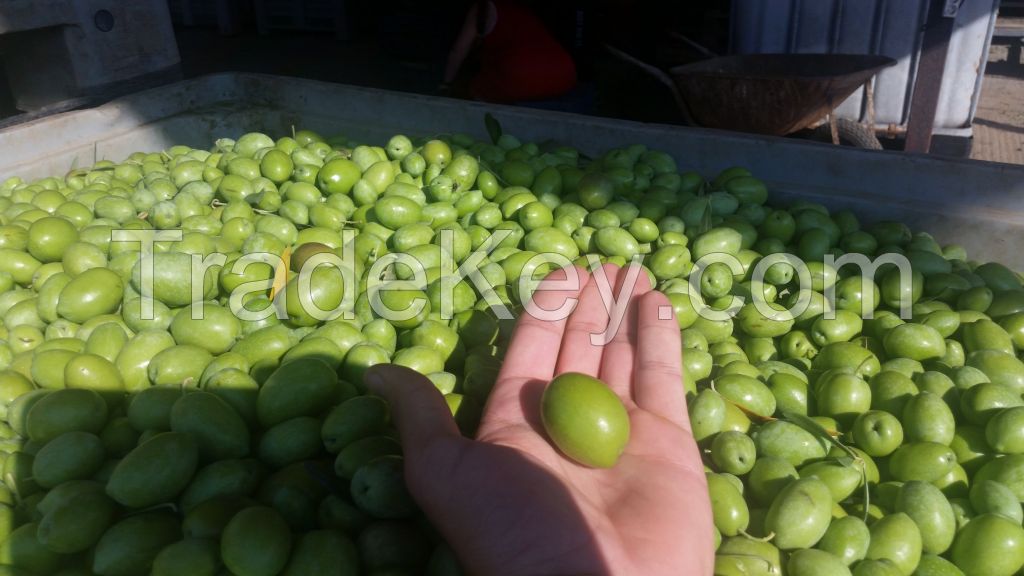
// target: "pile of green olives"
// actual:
[[185, 334]]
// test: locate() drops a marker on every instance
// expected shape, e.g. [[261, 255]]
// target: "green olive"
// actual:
[[585, 419], [49, 237]]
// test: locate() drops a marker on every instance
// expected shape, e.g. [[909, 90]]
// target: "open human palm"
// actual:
[[510, 503]]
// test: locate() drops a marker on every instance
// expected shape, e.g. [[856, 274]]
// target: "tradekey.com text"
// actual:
[[446, 278]]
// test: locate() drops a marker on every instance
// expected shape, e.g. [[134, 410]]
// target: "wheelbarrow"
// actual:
[[772, 94]]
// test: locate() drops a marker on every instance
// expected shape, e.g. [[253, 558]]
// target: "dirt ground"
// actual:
[[999, 120]]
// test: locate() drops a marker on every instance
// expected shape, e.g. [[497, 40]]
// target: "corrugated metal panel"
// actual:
[[888, 27]]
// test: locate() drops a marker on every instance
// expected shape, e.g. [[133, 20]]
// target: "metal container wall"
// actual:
[[58, 50], [887, 27], [977, 204]]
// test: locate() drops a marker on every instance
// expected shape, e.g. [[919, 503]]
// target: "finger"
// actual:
[[533, 351], [659, 382], [619, 363], [418, 409], [579, 353]]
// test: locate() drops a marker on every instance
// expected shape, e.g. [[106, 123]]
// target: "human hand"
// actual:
[[509, 503]]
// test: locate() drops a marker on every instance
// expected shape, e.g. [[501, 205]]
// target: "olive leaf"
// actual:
[[852, 458], [817, 430], [753, 416], [845, 461], [705, 219], [493, 127]]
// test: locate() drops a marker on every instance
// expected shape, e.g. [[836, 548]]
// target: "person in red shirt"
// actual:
[[519, 59]]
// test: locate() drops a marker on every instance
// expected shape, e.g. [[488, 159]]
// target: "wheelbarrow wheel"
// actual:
[[851, 133]]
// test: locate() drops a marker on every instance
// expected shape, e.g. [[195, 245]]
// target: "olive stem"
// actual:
[[768, 538]]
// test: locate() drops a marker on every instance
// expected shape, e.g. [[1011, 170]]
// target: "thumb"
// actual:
[[418, 409]]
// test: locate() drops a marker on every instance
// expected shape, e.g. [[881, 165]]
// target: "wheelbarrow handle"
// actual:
[[692, 44], [657, 73]]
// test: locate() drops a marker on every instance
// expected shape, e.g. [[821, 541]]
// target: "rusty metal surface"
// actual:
[[925, 101], [773, 94]]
